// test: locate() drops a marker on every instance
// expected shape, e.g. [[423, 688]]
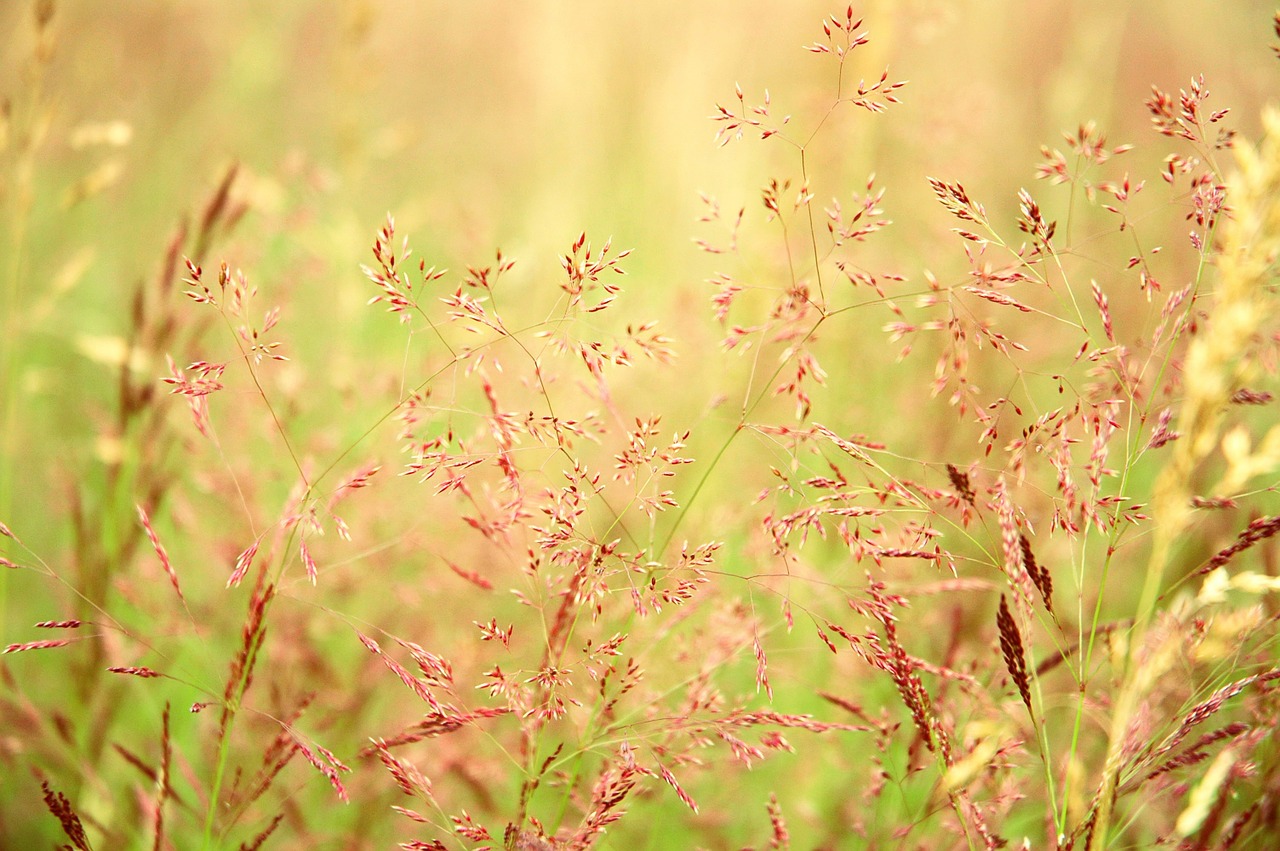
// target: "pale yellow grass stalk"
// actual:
[[1218, 363]]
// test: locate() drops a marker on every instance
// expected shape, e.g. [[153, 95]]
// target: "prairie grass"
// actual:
[[954, 532]]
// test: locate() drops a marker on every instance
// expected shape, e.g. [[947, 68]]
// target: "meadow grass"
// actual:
[[954, 539]]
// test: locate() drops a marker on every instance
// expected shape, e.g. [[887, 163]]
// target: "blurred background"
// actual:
[[490, 125]]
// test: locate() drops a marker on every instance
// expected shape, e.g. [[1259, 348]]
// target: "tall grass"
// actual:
[[978, 557]]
